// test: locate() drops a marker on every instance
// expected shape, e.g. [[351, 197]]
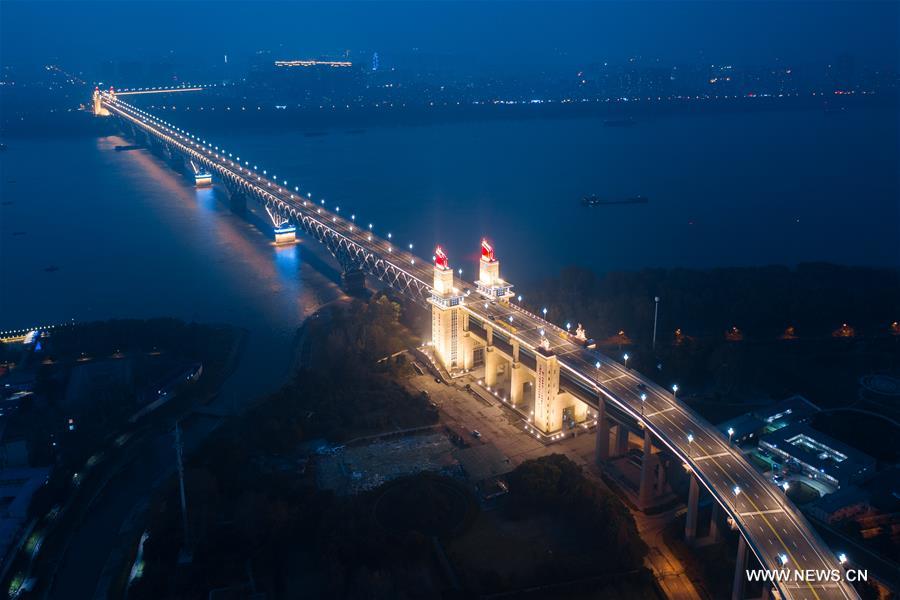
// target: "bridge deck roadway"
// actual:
[[773, 527]]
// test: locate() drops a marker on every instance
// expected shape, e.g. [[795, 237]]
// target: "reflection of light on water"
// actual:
[[206, 198], [287, 261]]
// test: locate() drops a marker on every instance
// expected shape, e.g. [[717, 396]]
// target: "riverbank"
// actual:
[[315, 121]]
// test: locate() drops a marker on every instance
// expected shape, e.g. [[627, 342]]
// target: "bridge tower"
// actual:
[[489, 283], [97, 104], [446, 316], [548, 414]]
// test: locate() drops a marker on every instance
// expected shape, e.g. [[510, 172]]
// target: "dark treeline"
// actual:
[[815, 299]]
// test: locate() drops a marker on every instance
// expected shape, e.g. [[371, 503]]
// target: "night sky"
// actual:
[[467, 35]]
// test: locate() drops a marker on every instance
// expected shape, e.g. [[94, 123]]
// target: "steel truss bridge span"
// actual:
[[773, 528]]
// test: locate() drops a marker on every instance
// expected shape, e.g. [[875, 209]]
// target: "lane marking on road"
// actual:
[[614, 378], [761, 512], [659, 412], [719, 455]]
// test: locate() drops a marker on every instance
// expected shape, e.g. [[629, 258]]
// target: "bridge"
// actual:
[[555, 374]]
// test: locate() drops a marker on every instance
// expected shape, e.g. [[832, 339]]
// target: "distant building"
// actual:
[[843, 504], [751, 426], [817, 455], [795, 409], [876, 500], [744, 428]]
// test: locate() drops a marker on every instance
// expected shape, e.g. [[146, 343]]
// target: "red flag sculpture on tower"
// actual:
[[440, 259], [487, 251]]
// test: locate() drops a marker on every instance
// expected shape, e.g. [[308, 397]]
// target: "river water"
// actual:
[[90, 233]]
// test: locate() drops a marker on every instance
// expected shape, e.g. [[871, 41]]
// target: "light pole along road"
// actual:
[[774, 529]]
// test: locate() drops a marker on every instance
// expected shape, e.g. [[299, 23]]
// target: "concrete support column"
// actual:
[[468, 347], [660, 475], [621, 440], [601, 452], [516, 381], [580, 410], [690, 522], [740, 568], [645, 492], [490, 366], [715, 531], [353, 281]]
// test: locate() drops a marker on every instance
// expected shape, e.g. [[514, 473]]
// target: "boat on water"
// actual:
[[594, 200]]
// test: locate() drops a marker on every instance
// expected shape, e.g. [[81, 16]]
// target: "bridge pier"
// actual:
[[740, 568], [601, 452], [715, 530], [353, 281], [690, 522], [645, 492], [490, 366], [621, 447], [516, 381], [287, 234], [660, 475], [468, 345]]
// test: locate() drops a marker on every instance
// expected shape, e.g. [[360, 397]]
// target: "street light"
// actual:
[[730, 434], [655, 316], [675, 390], [737, 490], [626, 360], [842, 558], [643, 398], [544, 310], [690, 439]]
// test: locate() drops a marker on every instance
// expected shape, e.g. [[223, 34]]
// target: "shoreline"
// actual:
[[315, 122]]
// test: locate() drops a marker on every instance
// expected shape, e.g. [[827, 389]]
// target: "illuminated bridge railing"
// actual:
[[343, 239]]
